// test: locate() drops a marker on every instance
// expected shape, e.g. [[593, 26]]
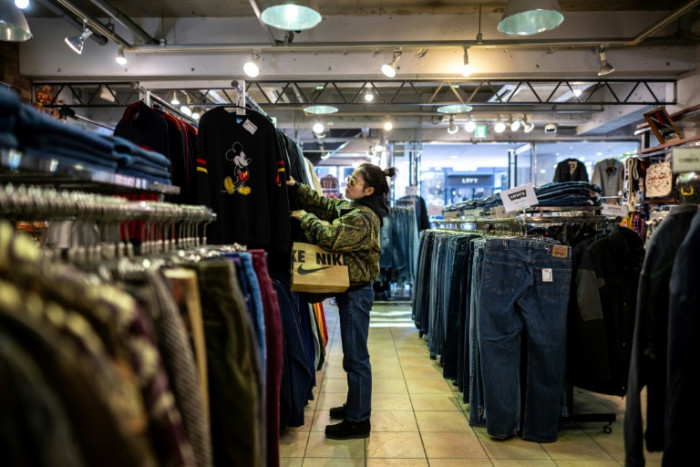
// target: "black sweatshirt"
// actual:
[[240, 175]]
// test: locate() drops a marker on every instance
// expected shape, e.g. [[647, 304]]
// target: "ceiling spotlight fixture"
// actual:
[[21, 4], [605, 67], [174, 101], [76, 43], [121, 58], [320, 109], [251, 68], [527, 17], [577, 92], [388, 126], [499, 126], [515, 125], [196, 115], [527, 126], [325, 155], [318, 128], [389, 69], [369, 96], [291, 15], [466, 67], [13, 24], [470, 126], [452, 128]]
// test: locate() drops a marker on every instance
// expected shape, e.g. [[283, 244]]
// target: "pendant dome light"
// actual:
[[527, 17], [76, 43], [13, 24], [291, 15]]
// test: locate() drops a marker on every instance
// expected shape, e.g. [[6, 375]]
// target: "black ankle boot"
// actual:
[[338, 413], [348, 430]]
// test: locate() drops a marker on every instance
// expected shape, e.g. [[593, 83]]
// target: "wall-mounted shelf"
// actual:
[[16, 167], [662, 147]]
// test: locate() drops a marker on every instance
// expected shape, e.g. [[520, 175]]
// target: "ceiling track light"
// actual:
[[76, 43], [499, 126], [605, 67], [121, 58], [527, 126], [291, 15], [470, 126], [466, 66], [318, 128], [527, 17], [515, 124], [452, 128], [251, 68], [13, 24], [389, 69]]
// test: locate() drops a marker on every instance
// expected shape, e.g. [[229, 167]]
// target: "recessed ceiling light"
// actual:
[[320, 109], [455, 109]]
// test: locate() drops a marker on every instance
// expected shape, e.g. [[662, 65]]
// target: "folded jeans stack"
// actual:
[[136, 161]]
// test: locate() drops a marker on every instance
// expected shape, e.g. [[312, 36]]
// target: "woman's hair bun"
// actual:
[[390, 172]]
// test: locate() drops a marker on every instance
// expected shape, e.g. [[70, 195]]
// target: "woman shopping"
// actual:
[[352, 227]]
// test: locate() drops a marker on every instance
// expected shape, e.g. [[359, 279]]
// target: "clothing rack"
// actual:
[[66, 111], [148, 97], [239, 86], [515, 226]]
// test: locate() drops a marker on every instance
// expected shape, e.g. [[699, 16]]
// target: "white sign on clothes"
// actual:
[[520, 197]]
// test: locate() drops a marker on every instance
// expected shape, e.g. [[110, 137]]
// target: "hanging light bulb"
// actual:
[[452, 128], [466, 67], [186, 110], [369, 96], [196, 115], [388, 126], [174, 101], [21, 4], [121, 58], [251, 68]]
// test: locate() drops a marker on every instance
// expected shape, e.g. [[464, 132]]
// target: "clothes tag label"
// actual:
[[614, 210], [560, 251], [250, 126], [547, 275], [686, 159], [520, 197]]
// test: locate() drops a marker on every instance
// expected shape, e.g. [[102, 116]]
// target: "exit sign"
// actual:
[[480, 131]]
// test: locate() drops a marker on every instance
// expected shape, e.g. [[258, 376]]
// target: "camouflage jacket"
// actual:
[[345, 227]]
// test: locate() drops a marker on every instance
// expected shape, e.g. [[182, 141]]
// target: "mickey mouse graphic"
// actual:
[[240, 170]]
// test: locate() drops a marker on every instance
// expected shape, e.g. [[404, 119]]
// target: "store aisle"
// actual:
[[418, 418]]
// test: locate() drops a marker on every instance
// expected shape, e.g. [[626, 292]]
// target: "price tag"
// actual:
[[614, 210], [250, 126], [686, 159], [547, 275], [520, 197]]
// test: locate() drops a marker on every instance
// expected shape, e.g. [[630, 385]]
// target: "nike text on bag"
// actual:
[[317, 270]]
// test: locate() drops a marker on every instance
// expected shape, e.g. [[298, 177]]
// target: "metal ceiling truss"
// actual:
[[488, 94]]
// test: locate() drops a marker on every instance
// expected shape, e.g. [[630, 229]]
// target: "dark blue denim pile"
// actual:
[[24, 128]]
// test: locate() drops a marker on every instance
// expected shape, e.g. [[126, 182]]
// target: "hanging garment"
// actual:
[[609, 175], [649, 349], [601, 327], [241, 176], [570, 170]]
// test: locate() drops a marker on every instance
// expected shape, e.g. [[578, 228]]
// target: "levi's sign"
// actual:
[[518, 198]]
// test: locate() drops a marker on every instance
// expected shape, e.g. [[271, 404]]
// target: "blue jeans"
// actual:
[[476, 382], [524, 293], [353, 309]]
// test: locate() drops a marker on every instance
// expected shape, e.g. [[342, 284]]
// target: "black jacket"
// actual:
[[570, 170], [601, 327]]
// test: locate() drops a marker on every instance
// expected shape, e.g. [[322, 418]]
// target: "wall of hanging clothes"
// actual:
[[510, 308], [183, 352]]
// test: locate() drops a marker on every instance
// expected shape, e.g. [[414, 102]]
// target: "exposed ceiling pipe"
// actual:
[[94, 24], [510, 44], [125, 21], [61, 13], [266, 28], [671, 17]]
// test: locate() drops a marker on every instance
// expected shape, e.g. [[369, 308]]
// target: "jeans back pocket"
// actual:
[[553, 284]]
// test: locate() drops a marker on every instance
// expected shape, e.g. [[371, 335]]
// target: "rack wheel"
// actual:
[[607, 429]]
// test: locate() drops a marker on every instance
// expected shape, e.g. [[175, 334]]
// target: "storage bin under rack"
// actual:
[[17, 167]]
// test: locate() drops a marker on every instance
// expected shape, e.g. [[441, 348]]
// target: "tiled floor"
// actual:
[[418, 418]]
